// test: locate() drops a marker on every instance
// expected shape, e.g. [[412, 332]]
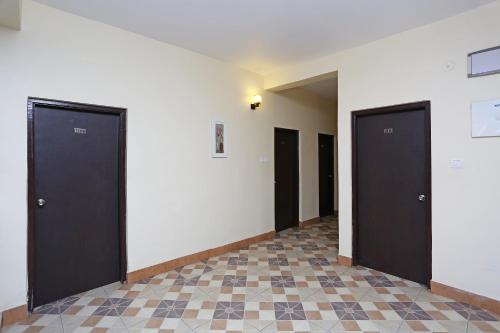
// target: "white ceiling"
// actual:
[[263, 35], [326, 88]]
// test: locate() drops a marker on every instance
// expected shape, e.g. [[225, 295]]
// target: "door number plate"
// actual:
[[80, 130], [388, 130]]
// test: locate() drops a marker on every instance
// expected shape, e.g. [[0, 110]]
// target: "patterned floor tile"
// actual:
[[170, 309], [254, 326], [349, 311], [234, 281], [229, 310], [379, 281], [282, 282], [433, 326], [56, 307], [112, 307], [483, 326], [278, 261], [289, 284], [410, 311], [289, 311], [322, 325], [471, 312], [330, 281]]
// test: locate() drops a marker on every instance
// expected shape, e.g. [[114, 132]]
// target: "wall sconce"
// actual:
[[256, 101]]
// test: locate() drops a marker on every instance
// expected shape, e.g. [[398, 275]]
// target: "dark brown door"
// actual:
[[76, 192], [325, 162], [286, 177], [391, 181]]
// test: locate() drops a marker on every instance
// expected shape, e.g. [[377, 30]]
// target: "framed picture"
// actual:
[[219, 139]]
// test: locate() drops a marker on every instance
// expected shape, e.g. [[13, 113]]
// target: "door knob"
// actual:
[[422, 197], [41, 202]]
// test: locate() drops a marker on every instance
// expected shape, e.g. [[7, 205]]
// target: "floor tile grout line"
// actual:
[[407, 313], [363, 295], [262, 329], [305, 300], [333, 327], [123, 322], [418, 295], [137, 324], [196, 327], [399, 326], [156, 292], [62, 325]]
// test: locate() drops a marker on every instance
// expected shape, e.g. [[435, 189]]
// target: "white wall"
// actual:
[[180, 200], [409, 67]]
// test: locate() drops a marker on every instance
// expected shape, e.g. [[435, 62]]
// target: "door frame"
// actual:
[[122, 202], [355, 115], [334, 170], [297, 173]]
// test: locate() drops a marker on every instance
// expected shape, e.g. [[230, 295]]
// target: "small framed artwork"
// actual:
[[219, 139]]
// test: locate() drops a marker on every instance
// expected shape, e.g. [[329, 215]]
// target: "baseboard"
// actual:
[[463, 296], [344, 261], [192, 258], [14, 315], [312, 221]]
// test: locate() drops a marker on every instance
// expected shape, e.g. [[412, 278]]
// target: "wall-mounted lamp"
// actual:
[[256, 101]]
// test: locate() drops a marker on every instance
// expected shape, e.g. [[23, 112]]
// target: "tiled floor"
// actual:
[[290, 284]]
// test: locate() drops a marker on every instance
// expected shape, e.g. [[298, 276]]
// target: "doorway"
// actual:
[[76, 198], [286, 178], [325, 173], [392, 190]]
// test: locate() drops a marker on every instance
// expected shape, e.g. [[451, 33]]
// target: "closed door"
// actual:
[[286, 176], [76, 168], [392, 190], [325, 163]]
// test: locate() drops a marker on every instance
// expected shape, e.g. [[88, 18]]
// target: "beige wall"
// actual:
[[410, 67], [180, 200]]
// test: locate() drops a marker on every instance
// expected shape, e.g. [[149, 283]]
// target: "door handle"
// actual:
[[40, 202], [422, 197]]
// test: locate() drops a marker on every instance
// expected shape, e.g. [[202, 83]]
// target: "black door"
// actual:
[[286, 176], [76, 218], [391, 181], [325, 162]]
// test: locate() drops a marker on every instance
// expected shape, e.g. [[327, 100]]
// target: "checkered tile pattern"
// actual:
[[290, 284]]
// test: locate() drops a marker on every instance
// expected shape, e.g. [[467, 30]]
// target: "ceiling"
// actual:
[[264, 35], [325, 88]]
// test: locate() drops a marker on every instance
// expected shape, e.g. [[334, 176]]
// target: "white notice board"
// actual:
[[485, 117]]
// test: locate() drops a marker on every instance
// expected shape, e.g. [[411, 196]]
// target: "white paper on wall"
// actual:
[[485, 118]]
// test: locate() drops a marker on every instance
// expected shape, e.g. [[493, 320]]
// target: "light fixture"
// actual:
[[256, 101]]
